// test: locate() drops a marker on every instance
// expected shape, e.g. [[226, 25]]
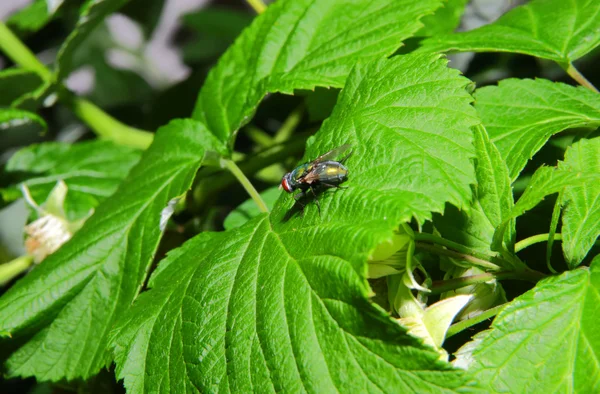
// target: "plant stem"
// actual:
[[14, 48], [108, 127], [577, 76], [258, 6], [99, 121], [259, 136], [524, 243], [430, 238], [461, 256], [442, 286], [13, 268], [287, 128], [211, 180], [235, 170], [462, 325]]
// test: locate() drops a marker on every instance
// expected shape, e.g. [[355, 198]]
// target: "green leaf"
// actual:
[[91, 170], [92, 13], [545, 181], [13, 118], [492, 204], [301, 44], [556, 321], [15, 82], [522, 114], [249, 209], [281, 303], [45, 95], [558, 30], [35, 16], [581, 217], [64, 308], [445, 20]]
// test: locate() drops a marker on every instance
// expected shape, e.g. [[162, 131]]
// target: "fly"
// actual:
[[321, 173]]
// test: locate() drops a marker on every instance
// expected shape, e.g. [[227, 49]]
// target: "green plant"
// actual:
[[361, 297]]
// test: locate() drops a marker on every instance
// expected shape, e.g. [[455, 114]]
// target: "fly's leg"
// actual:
[[316, 200], [332, 186], [297, 198]]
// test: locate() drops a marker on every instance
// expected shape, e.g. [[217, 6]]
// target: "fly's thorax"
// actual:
[[299, 172]]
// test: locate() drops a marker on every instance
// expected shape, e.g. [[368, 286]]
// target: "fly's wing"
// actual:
[[315, 173], [331, 154]]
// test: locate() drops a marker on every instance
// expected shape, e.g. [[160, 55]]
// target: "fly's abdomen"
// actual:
[[332, 172]]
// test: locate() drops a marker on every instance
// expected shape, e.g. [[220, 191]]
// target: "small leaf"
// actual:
[[581, 217], [13, 118], [444, 20], [35, 16], [92, 13], [15, 82], [545, 181], [281, 303], [301, 44], [45, 95], [249, 209], [492, 204], [557, 321], [558, 30], [522, 114], [62, 311], [91, 170]]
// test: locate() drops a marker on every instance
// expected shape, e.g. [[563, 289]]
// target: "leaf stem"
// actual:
[[577, 76], [462, 325], [99, 121], [442, 286], [13, 268], [14, 48], [212, 180], [106, 126], [524, 243], [430, 238], [258, 6], [458, 255], [235, 170]]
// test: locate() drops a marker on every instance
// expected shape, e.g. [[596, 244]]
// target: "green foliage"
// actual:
[[95, 276], [492, 203], [167, 288], [13, 118], [15, 82], [558, 30], [91, 170], [92, 13], [301, 51], [35, 16], [581, 218], [249, 209], [273, 279], [553, 321], [445, 19], [547, 181], [521, 115]]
